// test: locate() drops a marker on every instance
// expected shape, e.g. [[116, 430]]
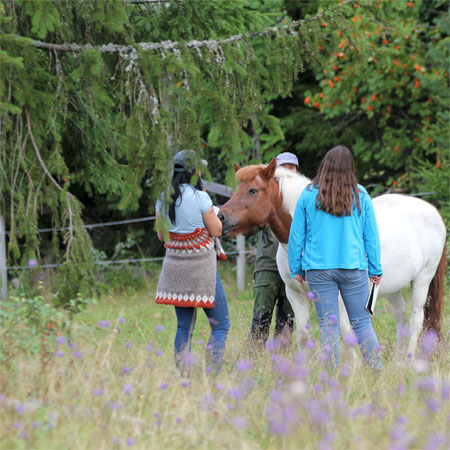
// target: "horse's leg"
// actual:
[[419, 291], [399, 311], [301, 311]]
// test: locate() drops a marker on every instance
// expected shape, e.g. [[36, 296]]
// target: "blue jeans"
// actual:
[[353, 285], [219, 320]]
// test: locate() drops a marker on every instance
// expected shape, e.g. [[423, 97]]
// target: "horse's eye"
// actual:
[[253, 191]]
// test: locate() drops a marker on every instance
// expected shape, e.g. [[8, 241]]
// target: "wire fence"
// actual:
[[130, 260]]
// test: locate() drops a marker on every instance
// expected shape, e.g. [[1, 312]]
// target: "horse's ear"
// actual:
[[269, 171], [236, 167]]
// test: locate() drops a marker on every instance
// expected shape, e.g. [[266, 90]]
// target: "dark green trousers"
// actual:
[[269, 291]]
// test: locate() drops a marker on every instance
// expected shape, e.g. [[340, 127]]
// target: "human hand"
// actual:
[[375, 280], [301, 279]]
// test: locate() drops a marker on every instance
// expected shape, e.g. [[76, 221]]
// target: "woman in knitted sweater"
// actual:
[[189, 277]]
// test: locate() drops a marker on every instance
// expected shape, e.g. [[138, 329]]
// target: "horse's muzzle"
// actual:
[[226, 225]]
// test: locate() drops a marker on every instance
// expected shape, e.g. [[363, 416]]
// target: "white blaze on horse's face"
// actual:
[[251, 204]]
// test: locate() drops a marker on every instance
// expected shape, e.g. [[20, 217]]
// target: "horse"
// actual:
[[412, 237]]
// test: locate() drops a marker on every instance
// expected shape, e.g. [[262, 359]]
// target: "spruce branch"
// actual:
[[52, 179], [211, 44]]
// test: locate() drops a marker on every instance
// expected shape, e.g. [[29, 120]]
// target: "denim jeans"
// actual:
[[353, 285], [219, 320]]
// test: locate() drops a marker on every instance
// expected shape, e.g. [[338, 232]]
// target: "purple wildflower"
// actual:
[[324, 377], [179, 420], [72, 344], [121, 320], [426, 384], [429, 342], [163, 386], [59, 353], [125, 370], [20, 409], [310, 343], [17, 425], [200, 342], [240, 422], [310, 295], [114, 406], [104, 323], [237, 393], [77, 354], [185, 384], [350, 339], [432, 404], [127, 389], [190, 359], [35, 424], [131, 441], [60, 340], [401, 389], [402, 420], [345, 370], [127, 344], [31, 263], [308, 326], [333, 319], [149, 347], [159, 353], [159, 327], [435, 440], [24, 434], [209, 370], [97, 392], [403, 331], [244, 365]]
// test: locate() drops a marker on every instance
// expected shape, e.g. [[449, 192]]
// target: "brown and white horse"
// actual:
[[412, 236]]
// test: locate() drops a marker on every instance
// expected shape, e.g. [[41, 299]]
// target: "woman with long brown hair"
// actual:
[[333, 244]]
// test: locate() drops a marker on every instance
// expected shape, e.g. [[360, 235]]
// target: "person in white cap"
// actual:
[[269, 289]]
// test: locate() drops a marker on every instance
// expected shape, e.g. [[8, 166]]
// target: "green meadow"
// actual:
[[105, 379]]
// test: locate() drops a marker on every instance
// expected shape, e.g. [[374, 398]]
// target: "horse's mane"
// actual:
[[290, 184], [247, 173]]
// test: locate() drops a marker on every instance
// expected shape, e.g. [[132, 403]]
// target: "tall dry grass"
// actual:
[[111, 383]]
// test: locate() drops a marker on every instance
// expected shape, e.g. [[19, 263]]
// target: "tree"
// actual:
[[90, 106], [397, 102]]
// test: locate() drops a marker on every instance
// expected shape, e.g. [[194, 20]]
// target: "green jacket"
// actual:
[[267, 251]]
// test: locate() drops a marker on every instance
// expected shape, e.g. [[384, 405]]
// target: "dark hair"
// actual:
[[336, 182], [177, 179]]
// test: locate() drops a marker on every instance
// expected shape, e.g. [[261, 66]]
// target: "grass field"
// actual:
[[109, 382]]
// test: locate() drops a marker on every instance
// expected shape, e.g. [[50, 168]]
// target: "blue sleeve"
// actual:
[[297, 236], [371, 238], [205, 201]]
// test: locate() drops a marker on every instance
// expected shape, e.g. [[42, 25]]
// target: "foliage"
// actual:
[[397, 100], [29, 326]]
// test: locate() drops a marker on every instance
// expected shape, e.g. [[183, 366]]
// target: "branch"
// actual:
[[47, 172], [171, 45]]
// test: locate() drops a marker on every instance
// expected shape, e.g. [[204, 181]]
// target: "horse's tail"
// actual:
[[434, 306]]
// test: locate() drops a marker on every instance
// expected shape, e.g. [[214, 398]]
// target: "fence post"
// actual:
[[4, 273], [240, 267]]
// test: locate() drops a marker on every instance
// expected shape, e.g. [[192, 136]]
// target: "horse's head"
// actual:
[[252, 202]]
